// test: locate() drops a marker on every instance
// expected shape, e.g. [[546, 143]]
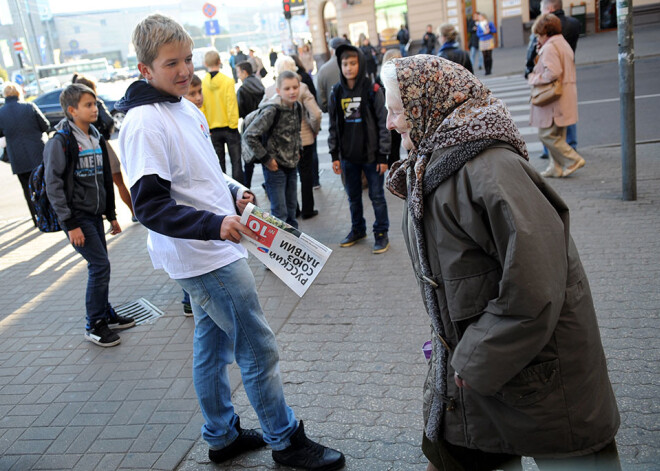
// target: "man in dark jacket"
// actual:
[[403, 37], [22, 125], [570, 29], [428, 41], [359, 141], [328, 75], [249, 96]]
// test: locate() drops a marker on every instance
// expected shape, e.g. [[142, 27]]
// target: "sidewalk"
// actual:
[[350, 349]]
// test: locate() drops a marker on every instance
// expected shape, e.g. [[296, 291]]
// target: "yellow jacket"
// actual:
[[220, 105]]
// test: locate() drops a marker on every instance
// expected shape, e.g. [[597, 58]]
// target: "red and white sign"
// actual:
[[209, 10], [18, 46]]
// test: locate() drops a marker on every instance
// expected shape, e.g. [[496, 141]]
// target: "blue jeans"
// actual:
[[95, 252], [571, 137], [353, 185], [186, 298], [475, 54], [282, 191], [230, 325], [402, 50]]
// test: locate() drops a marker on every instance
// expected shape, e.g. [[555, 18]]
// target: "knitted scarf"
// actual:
[[445, 106]]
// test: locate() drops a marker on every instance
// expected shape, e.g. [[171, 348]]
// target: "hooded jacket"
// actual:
[[358, 129], [517, 312], [249, 95], [311, 122], [220, 105], [88, 189], [284, 143], [154, 206]]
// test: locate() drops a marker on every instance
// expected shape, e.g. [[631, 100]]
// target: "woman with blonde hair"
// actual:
[[22, 125], [555, 62]]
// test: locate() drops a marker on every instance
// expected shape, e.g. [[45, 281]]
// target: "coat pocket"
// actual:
[[531, 385], [468, 296]]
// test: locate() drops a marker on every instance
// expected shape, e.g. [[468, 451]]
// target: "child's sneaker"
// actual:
[[101, 335], [382, 242], [352, 238], [117, 322]]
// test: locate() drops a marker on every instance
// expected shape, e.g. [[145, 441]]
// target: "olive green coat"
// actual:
[[517, 311]]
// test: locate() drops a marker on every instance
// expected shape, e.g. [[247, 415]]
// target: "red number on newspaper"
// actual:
[[265, 232]]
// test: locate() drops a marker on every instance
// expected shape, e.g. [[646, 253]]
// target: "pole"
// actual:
[[27, 44], [293, 46], [627, 94]]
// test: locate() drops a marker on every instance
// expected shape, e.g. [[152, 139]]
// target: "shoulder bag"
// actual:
[[546, 93]]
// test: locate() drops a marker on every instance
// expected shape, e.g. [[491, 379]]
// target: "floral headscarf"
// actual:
[[446, 106]]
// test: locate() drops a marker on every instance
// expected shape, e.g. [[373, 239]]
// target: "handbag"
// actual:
[[487, 44], [546, 93]]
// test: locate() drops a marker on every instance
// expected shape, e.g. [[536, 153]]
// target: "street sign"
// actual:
[[18, 46], [212, 27], [18, 78], [209, 10]]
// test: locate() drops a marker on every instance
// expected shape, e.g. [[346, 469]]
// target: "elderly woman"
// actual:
[[23, 125], [310, 126], [517, 366], [555, 62]]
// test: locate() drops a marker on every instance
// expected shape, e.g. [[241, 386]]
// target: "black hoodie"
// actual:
[[358, 117], [249, 95]]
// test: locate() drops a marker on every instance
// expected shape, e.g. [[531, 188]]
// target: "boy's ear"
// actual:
[[71, 110], [144, 70]]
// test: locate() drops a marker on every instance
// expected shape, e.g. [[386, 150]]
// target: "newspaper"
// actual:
[[290, 254]]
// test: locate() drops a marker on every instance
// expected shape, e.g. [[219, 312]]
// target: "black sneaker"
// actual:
[[543, 156], [304, 453], [117, 322], [101, 335], [247, 440], [187, 310], [352, 238], [382, 242]]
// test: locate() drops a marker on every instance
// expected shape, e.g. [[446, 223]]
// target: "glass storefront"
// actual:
[[390, 15]]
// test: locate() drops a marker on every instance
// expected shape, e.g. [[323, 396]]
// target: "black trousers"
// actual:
[[488, 61], [24, 178], [306, 172], [231, 137]]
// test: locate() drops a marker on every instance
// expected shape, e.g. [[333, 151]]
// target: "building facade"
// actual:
[[379, 20]]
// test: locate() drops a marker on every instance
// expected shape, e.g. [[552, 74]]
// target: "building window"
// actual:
[[390, 15]]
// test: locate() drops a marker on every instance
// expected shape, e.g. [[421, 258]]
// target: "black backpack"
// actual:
[[47, 220]]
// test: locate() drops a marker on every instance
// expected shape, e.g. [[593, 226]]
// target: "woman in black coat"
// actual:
[[22, 125]]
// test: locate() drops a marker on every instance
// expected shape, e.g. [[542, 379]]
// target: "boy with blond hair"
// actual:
[[221, 111], [182, 197]]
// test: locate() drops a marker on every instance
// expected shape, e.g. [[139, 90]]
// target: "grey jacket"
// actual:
[[325, 79], [517, 311], [284, 143]]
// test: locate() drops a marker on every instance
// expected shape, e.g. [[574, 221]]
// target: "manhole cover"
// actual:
[[141, 310]]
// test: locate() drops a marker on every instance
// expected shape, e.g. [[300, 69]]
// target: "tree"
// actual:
[[4, 75]]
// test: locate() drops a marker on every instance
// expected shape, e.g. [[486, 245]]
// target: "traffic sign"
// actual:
[[212, 27], [209, 10], [18, 78], [18, 46]]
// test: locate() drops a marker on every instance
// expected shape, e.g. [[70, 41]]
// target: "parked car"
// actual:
[[49, 104], [47, 84]]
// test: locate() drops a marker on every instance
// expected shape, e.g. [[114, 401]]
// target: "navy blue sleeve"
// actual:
[[156, 210]]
